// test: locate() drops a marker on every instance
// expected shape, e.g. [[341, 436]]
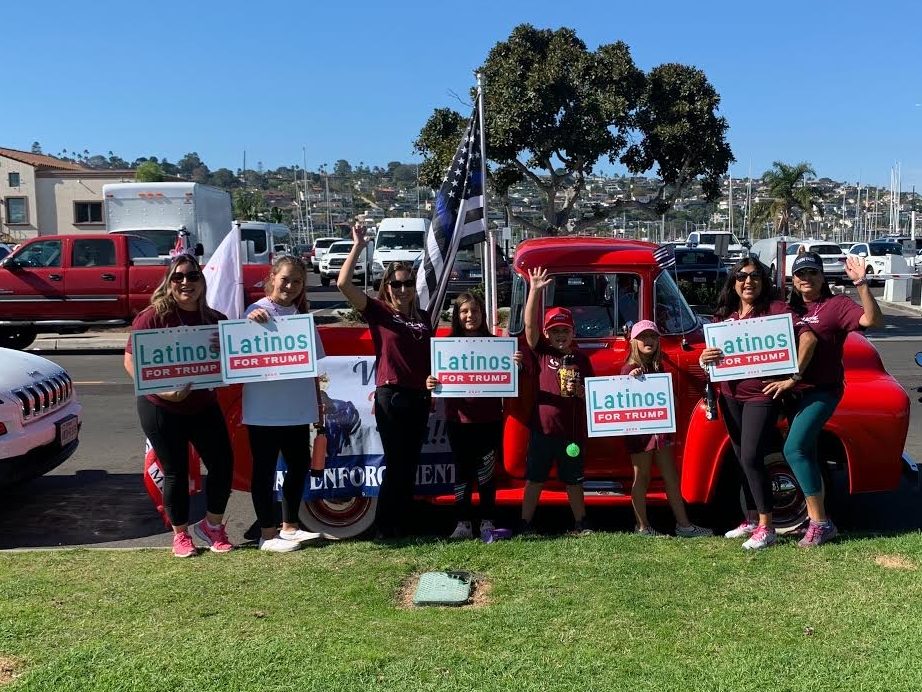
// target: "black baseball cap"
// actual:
[[807, 260]]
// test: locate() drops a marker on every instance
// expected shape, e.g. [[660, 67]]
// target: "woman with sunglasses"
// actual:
[[750, 407], [831, 318], [401, 334], [172, 420]]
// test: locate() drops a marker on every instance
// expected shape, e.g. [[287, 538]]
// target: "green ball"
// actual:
[[572, 450]]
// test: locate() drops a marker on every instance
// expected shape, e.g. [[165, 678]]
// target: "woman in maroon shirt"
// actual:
[[831, 318], [172, 420], [401, 333], [750, 407]]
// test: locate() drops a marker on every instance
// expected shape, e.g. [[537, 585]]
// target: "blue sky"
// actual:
[[837, 84]]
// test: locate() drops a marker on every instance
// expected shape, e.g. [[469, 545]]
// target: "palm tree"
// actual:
[[789, 197]]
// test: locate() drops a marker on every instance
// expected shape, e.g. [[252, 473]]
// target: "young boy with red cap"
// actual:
[[558, 432]]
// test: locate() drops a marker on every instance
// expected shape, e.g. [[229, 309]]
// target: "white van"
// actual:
[[400, 240], [267, 238]]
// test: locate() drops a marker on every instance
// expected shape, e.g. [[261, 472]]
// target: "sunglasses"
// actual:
[[806, 273], [742, 276], [191, 277], [395, 284]]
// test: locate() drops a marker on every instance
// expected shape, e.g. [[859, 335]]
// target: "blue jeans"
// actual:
[[810, 414]]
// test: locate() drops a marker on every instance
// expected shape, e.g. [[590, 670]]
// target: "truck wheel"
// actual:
[[17, 337], [337, 519], [324, 281]]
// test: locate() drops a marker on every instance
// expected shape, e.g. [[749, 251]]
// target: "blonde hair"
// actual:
[[651, 363], [163, 301]]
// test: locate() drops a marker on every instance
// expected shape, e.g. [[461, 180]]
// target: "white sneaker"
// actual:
[[486, 525], [278, 545], [462, 530], [762, 537], [744, 530], [299, 535]]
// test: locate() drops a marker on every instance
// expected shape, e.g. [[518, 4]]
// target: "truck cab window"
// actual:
[[41, 254], [93, 253]]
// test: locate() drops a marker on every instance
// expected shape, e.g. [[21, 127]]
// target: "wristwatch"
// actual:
[[797, 377]]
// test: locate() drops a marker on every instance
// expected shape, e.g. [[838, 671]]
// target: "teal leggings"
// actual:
[[800, 450]]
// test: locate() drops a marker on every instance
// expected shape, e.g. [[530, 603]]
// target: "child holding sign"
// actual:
[[559, 427], [646, 357], [474, 428], [278, 416]]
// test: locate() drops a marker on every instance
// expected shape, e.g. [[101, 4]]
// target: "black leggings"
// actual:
[[402, 416], [751, 427], [266, 441], [170, 434], [475, 447]]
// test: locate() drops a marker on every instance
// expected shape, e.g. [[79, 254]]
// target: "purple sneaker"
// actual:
[[818, 533]]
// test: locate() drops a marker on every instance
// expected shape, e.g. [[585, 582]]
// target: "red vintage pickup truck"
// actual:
[[607, 283], [71, 283]]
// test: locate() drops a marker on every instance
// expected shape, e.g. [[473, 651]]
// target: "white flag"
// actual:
[[225, 277]]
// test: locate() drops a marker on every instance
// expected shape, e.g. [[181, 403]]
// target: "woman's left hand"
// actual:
[[855, 267], [432, 383], [778, 387], [517, 359], [215, 341]]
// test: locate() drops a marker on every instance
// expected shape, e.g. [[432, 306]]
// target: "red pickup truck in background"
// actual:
[[70, 283]]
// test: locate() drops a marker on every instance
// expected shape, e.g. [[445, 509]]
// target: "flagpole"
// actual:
[[489, 278]]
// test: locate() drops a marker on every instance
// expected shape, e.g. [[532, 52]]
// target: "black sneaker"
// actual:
[[526, 530], [582, 528]]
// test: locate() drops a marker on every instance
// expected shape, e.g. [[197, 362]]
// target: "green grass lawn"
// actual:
[[603, 612]]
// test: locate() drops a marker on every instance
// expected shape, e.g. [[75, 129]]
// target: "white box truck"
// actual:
[[159, 211], [268, 239], [400, 240]]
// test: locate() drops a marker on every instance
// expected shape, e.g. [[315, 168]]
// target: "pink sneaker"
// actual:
[[183, 545], [215, 538]]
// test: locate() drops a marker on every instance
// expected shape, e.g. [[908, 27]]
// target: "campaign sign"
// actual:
[[624, 405], [168, 359], [281, 349], [760, 347], [474, 367]]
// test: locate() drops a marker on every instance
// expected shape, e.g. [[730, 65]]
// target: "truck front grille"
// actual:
[[44, 396]]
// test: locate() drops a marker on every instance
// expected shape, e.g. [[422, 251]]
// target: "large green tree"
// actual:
[[149, 172], [790, 197], [555, 109]]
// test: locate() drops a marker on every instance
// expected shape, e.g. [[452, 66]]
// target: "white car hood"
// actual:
[[18, 368]]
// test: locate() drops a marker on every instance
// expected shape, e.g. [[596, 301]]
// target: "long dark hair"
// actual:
[[728, 301], [796, 300], [280, 261], [457, 329]]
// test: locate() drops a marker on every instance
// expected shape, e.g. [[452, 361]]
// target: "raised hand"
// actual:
[[855, 267], [539, 278]]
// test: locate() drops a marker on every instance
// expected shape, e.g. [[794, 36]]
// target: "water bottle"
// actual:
[[710, 402], [568, 372], [319, 452]]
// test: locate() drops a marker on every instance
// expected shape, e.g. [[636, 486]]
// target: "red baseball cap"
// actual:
[[558, 317]]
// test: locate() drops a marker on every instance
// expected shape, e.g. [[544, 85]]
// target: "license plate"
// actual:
[[476, 275], [699, 279], [67, 430]]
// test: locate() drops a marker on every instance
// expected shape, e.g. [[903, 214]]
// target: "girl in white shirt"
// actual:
[[278, 416]]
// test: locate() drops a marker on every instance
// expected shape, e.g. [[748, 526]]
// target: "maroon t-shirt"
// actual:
[[401, 345], [831, 320], [474, 410], [751, 389], [559, 416], [645, 442], [149, 319]]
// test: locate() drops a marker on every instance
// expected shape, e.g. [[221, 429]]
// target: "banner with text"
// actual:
[[760, 347], [355, 456], [624, 405], [474, 367], [168, 359], [283, 348]]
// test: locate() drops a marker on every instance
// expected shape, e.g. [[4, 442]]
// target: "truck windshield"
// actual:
[[672, 313], [163, 241], [711, 239], [400, 240]]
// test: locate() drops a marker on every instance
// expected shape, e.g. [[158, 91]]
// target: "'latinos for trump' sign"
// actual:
[[474, 367], [168, 359], [281, 349], [760, 347], [624, 405]]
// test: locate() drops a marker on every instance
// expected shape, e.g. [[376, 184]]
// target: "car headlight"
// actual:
[[378, 267]]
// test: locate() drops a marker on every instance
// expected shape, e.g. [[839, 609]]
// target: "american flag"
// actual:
[[664, 256], [459, 219]]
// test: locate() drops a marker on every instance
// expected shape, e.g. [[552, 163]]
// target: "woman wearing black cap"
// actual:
[[831, 318]]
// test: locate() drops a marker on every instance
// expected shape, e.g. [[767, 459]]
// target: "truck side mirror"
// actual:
[[199, 249], [10, 263]]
